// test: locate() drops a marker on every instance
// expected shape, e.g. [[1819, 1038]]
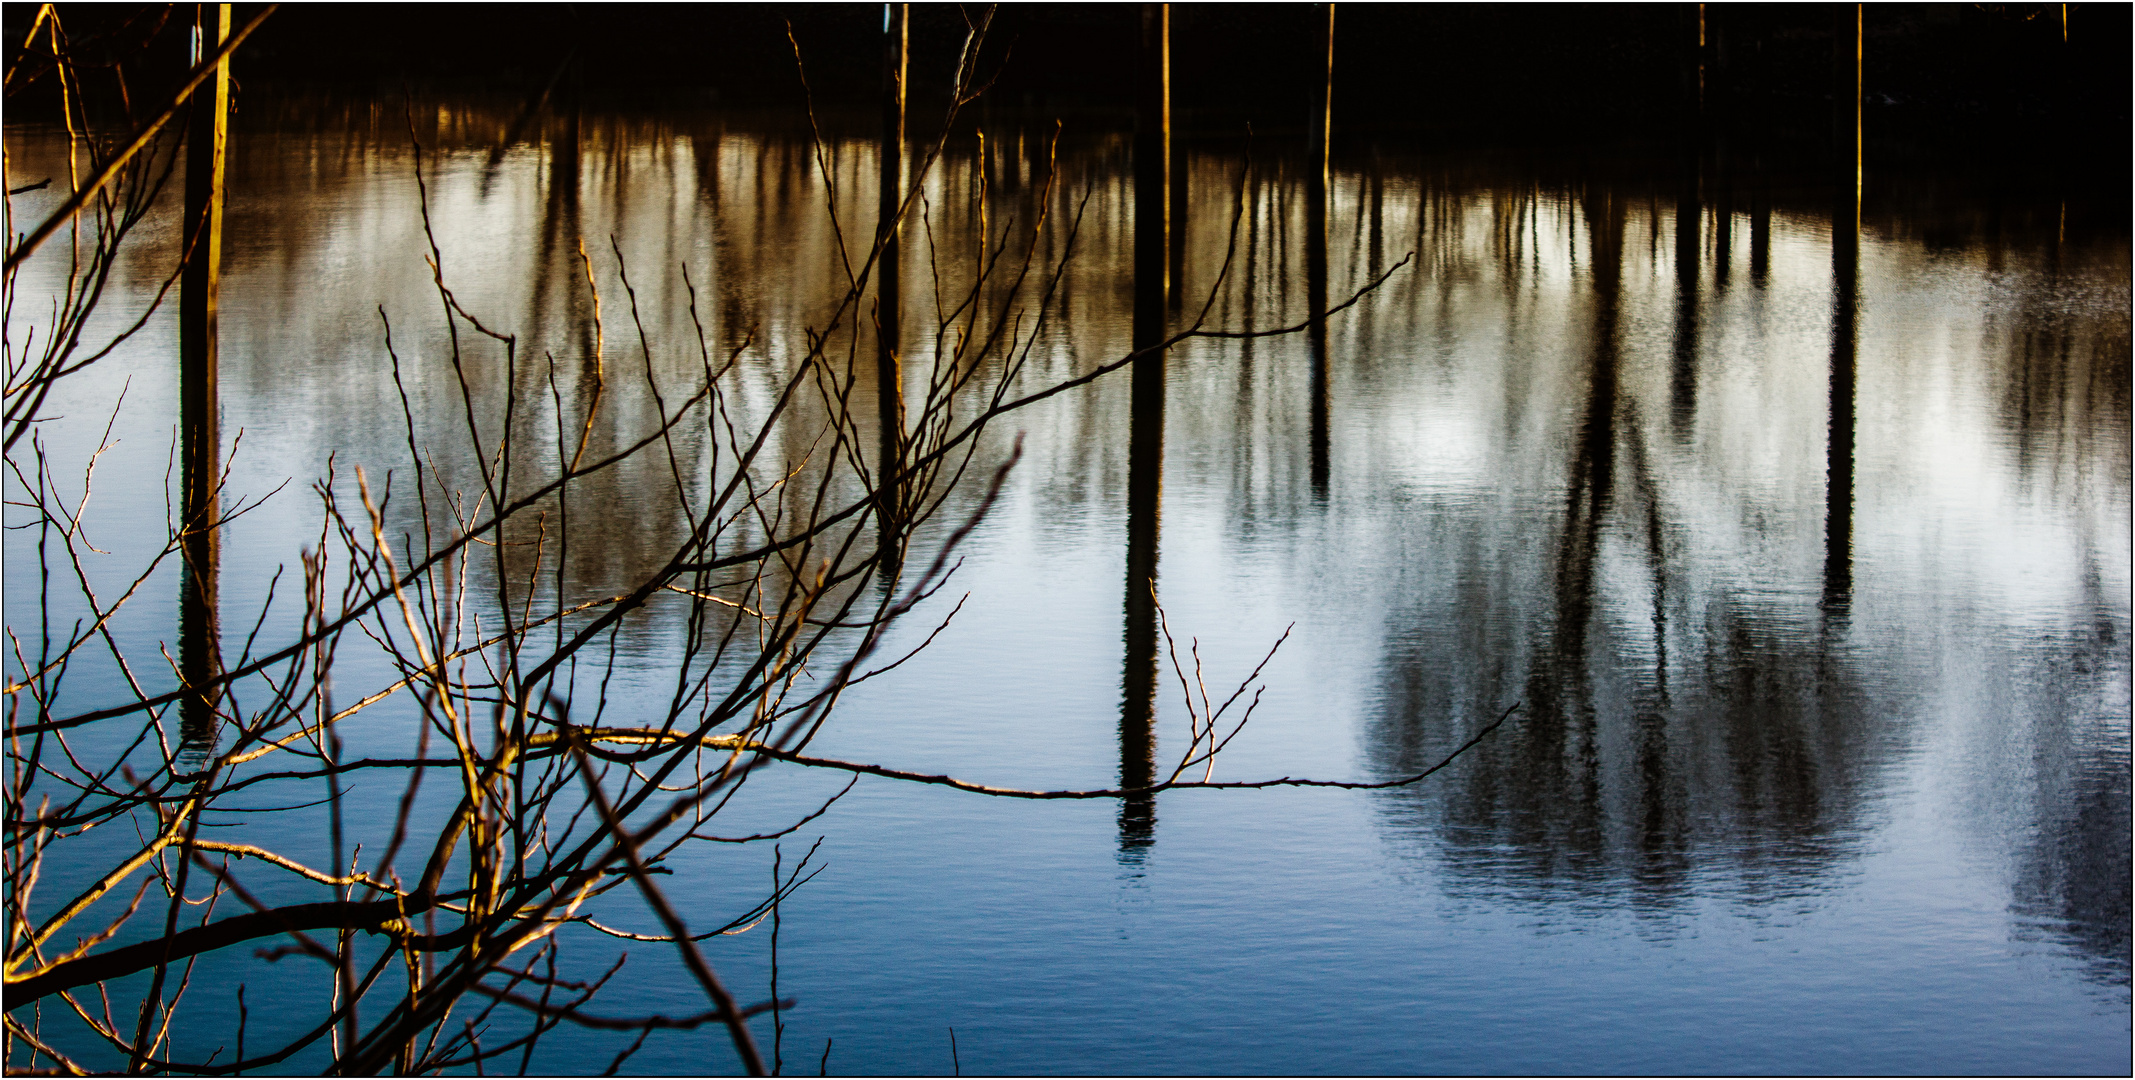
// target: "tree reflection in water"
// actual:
[[1696, 720]]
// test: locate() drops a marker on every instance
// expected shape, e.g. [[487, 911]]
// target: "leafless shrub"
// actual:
[[441, 927]]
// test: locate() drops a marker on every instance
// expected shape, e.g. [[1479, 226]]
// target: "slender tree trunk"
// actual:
[[889, 376], [1719, 128], [1689, 215], [1176, 187], [566, 163], [1846, 98], [1691, 48], [1145, 451], [1845, 302], [199, 439], [1749, 87], [1760, 229], [1316, 150], [1689, 247]]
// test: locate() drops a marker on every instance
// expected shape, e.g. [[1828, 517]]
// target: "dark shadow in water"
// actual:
[[1845, 302], [1544, 810], [1683, 375], [200, 427], [889, 294], [1760, 224], [1561, 726], [530, 112], [2073, 880], [1145, 440], [561, 231], [199, 649], [1838, 468], [2073, 883], [1137, 712], [1316, 302], [1723, 214], [1664, 735], [1663, 863], [1176, 222], [1318, 130]]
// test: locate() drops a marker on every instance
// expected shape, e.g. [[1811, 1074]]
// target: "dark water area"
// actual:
[[1811, 604]]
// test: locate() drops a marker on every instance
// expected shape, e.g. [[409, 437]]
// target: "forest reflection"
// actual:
[[1663, 570], [1661, 723], [1571, 457]]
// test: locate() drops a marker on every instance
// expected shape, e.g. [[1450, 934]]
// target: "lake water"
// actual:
[[1777, 797]]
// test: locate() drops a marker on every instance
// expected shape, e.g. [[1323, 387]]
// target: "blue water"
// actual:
[[1735, 825]]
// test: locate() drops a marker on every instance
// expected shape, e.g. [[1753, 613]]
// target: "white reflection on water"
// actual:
[[1736, 827]]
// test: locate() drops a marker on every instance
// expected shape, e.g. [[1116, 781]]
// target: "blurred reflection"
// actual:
[[1316, 196], [1154, 259], [1723, 214], [2073, 883], [1838, 470], [1760, 224], [1522, 513], [1692, 721], [1683, 384]]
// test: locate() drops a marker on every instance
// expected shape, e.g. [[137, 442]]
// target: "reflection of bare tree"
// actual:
[[1692, 721], [1665, 725], [2065, 381], [2074, 877], [635, 471]]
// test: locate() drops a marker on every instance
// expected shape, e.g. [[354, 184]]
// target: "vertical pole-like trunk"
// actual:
[[1375, 215], [1316, 150], [1683, 373], [1176, 188], [1152, 186], [1719, 98], [1145, 442], [1760, 221], [1691, 48], [889, 376], [199, 432], [1175, 226], [1845, 302], [567, 158], [556, 265], [1846, 96], [1760, 229], [1689, 210], [1558, 749], [567, 170], [988, 169], [1723, 217], [1749, 97]]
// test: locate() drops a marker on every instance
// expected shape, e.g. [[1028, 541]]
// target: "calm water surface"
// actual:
[[1778, 798]]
